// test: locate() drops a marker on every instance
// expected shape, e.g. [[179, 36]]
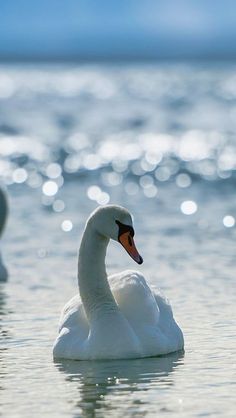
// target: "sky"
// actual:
[[117, 29]]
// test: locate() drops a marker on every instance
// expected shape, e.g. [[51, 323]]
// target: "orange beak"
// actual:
[[127, 242]]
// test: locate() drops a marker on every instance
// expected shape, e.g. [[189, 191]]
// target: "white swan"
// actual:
[[116, 317], [3, 217]]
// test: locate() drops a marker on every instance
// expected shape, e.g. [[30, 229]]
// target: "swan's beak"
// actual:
[[127, 242]]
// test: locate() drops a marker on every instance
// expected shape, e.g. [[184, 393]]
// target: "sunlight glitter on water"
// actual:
[[50, 188], [67, 225], [188, 207], [73, 138], [229, 221]]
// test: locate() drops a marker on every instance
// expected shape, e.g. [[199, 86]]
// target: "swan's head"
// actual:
[[115, 222]]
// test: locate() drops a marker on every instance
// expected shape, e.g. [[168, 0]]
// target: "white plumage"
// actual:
[[118, 317]]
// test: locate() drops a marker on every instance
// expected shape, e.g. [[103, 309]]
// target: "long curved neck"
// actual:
[[94, 289]]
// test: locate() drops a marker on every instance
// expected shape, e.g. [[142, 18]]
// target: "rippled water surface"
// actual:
[[160, 140]]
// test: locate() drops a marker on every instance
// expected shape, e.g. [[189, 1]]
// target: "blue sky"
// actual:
[[117, 28]]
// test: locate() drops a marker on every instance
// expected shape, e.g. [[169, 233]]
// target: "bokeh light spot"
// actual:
[[53, 170], [229, 221], [150, 191], [58, 205], [162, 173], [119, 165], [50, 188], [188, 207], [103, 199], [92, 162], [94, 192], [66, 225], [112, 179], [19, 175], [183, 180], [146, 181]]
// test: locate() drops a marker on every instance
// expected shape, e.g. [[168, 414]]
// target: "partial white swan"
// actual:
[[3, 217], [116, 317]]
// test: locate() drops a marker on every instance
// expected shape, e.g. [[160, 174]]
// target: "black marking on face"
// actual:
[[125, 228]]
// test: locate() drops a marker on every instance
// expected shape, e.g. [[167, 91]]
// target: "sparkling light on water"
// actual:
[[183, 180], [153, 158], [150, 191], [147, 165], [137, 169], [66, 225], [146, 181], [53, 170], [109, 150], [103, 199], [194, 145], [188, 207], [58, 205], [112, 179], [162, 173], [76, 142], [50, 188], [72, 163], [60, 181], [119, 165], [92, 162], [68, 123], [229, 221], [19, 175], [94, 192]]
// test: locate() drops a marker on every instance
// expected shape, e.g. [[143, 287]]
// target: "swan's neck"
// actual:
[[94, 289]]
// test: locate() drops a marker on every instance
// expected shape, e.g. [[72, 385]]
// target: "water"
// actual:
[[160, 140]]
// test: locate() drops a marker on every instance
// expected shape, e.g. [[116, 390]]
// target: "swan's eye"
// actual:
[[125, 228], [132, 232]]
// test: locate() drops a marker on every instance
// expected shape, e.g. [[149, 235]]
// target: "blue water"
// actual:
[[160, 140]]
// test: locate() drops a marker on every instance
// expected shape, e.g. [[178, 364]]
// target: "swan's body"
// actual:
[[3, 217], [115, 317]]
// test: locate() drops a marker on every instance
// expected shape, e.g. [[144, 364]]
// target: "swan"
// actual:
[[116, 317], [3, 217]]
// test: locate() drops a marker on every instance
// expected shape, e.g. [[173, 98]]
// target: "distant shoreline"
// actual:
[[115, 60]]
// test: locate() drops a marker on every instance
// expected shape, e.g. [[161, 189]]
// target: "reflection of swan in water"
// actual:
[[97, 379], [4, 335], [3, 217]]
